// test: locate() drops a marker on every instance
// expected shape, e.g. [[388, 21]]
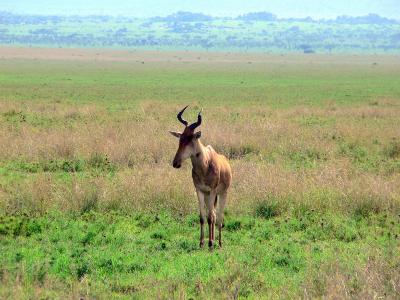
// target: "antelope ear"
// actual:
[[197, 135], [176, 134]]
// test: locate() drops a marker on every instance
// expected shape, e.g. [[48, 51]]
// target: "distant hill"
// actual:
[[256, 31], [184, 16], [258, 16]]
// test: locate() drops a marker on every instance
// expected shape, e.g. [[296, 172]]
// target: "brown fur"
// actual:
[[210, 170]]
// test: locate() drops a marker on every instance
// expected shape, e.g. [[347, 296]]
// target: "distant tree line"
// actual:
[[195, 30]]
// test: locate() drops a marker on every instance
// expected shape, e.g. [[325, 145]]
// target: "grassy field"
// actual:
[[91, 207]]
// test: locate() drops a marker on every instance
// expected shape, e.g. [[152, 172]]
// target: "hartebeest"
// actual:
[[211, 175]]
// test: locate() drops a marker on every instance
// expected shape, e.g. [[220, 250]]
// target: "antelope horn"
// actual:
[[198, 123], [179, 116]]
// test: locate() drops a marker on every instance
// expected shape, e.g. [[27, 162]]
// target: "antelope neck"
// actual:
[[200, 158]]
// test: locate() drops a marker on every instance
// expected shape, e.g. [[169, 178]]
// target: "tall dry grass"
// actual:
[[374, 280], [328, 158]]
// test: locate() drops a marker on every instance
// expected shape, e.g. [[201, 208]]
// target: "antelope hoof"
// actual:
[[201, 244], [210, 245]]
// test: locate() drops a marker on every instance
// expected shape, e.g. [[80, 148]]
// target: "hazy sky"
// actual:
[[145, 8]]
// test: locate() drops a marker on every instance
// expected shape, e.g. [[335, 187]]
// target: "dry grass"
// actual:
[[377, 279], [295, 156]]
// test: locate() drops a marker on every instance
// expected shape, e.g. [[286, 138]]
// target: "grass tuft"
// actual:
[[267, 210], [392, 151]]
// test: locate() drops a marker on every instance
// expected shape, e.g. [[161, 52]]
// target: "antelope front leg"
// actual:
[[202, 209], [211, 218]]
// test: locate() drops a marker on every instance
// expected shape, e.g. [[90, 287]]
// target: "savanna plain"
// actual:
[[90, 206]]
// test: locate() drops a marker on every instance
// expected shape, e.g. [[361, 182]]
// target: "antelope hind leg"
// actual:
[[220, 215], [202, 209]]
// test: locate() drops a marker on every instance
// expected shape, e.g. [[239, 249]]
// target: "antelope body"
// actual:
[[211, 175]]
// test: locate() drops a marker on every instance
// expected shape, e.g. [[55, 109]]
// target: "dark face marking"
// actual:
[[185, 140]]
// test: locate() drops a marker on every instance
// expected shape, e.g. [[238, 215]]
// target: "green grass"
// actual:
[[142, 255], [125, 84]]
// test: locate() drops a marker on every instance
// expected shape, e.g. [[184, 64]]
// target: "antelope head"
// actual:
[[187, 139]]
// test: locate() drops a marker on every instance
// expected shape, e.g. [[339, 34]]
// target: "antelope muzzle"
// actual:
[[176, 163]]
